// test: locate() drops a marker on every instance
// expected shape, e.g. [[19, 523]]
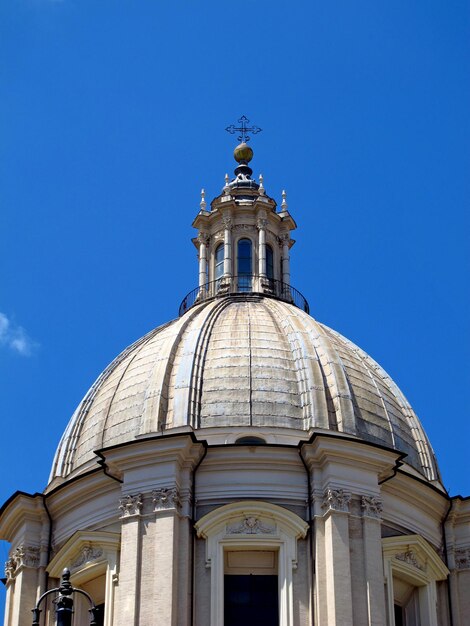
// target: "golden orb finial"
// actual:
[[243, 153]]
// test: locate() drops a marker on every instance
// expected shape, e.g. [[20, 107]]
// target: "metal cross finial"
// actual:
[[243, 129]]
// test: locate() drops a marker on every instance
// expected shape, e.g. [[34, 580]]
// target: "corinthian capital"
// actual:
[[371, 506], [284, 239], [227, 222], [166, 498], [131, 505], [336, 500], [203, 238]]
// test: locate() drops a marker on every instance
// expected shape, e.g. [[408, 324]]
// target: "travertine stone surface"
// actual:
[[240, 362]]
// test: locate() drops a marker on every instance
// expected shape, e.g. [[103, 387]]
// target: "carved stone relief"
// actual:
[[166, 498], [131, 505], [336, 500], [86, 555], [250, 526], [410, 557]]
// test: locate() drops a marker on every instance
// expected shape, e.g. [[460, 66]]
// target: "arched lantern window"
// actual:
[[269, 262], [245, 264], [219, 262]]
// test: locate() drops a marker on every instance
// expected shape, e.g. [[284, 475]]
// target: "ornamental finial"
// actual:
[[261, 186], [284, 204], [203, 202]]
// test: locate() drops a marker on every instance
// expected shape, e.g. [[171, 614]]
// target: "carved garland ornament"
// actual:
[[251, 526], [462, 558], [336, 500], [22, 556], [410, 557], [131, 505], [227, 222]]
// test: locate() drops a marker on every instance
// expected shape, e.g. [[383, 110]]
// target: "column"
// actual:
[[285, 240], [227, 221], [22, 584], [203, 241], [337, 558], [262, 223], [373, 564], [127, 613], [168, 607]]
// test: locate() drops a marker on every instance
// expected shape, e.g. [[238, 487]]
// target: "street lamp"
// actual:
[[64, 602]]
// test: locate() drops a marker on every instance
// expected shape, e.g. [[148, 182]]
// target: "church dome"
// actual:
[[243, 361]]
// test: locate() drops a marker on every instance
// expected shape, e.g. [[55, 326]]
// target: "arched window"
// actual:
[[219, 262], [251, 549], [245, 264], [269, 262]]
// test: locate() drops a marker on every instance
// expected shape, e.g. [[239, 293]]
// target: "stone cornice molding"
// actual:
[[350, 453], [85, 550], [179, 450], [413, 557], [22, 509], [258, 514]]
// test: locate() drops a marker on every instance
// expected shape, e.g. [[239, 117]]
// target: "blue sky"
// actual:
[[112, 118]]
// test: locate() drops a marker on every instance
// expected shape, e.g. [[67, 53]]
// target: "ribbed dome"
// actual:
[[243, 361]]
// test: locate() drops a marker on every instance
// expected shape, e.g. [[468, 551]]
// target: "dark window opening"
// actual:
[[100, 615], [251, 600], [399, 621], [245, 264], [219, 262], [269, 262], [250, 441]]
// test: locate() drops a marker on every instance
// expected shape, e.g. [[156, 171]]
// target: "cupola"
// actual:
[[244, 241]]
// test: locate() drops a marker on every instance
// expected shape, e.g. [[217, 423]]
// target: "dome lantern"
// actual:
[[243, 241]]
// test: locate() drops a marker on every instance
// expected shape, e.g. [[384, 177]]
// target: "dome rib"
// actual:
[[242, 361], [312, 393], [197, 374], [420, 439], [63, 460], [339, 389]]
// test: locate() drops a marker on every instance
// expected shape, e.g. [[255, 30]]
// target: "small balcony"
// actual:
[[244, 285]]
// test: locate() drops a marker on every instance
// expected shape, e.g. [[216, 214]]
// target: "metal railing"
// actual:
[[245, 284]]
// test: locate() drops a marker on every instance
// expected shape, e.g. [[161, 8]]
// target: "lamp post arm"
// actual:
[[37, 611]]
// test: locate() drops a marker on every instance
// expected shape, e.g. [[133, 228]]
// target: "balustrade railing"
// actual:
[[244, 284]]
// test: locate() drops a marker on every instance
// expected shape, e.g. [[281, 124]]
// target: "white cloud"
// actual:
[[15, 337]]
